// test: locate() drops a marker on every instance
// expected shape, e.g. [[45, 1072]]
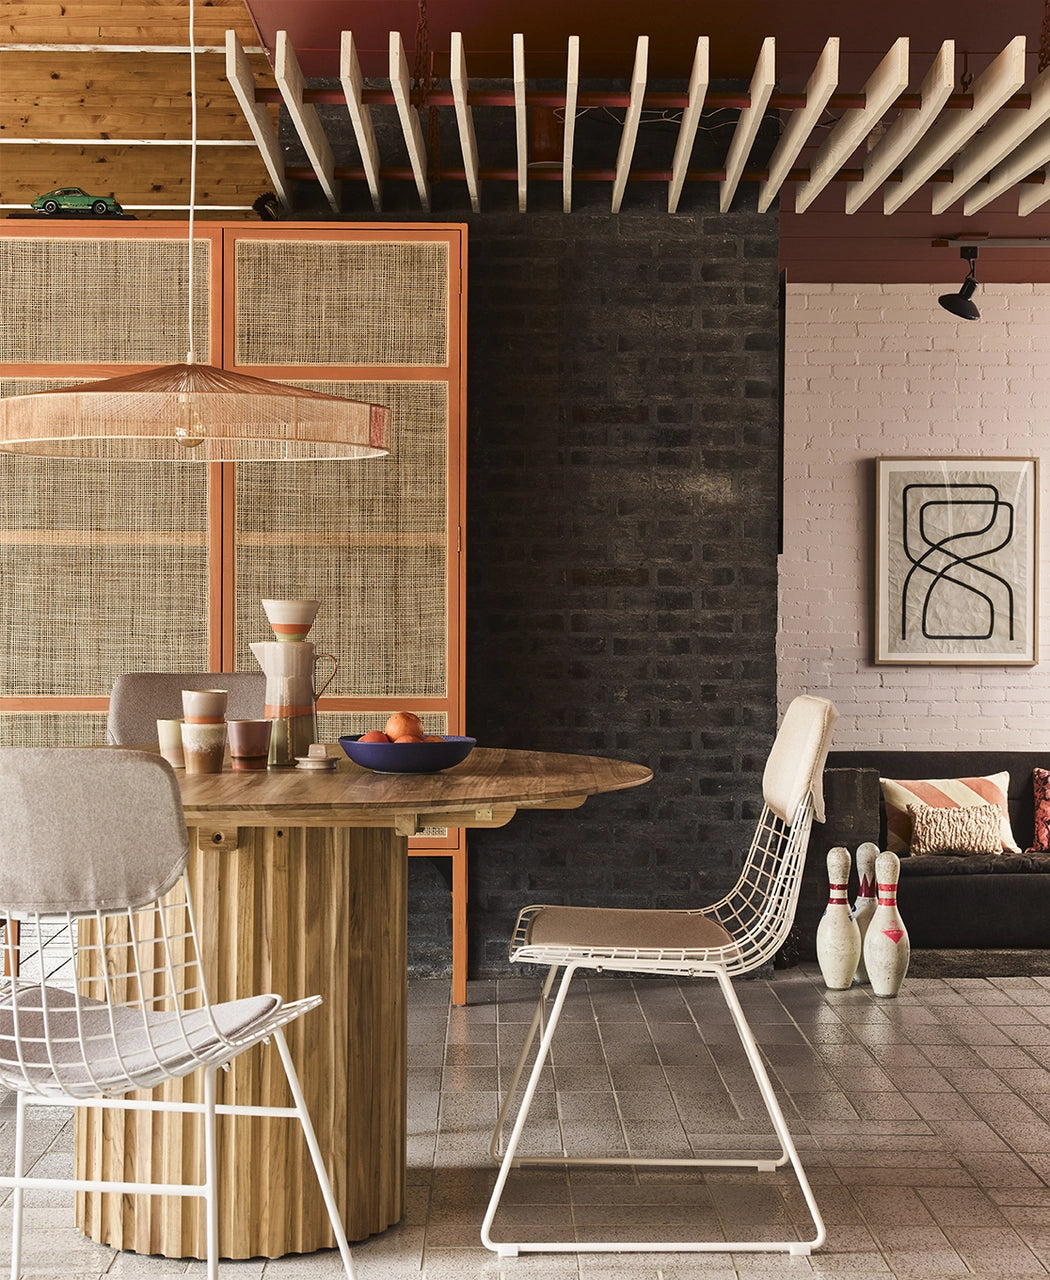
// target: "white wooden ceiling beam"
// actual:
[[304, 117], [521, 121], [242, 82], [401, 87], [629, 135], [1032, 154], [801, 123], [993, 145], [468, 143], [885, 83], [360, 116], [989, 91], [699, 80], [898, 141], [1034, 197], [572, 93], [749, 122]]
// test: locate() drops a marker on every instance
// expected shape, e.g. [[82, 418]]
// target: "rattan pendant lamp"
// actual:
[[192, 412]]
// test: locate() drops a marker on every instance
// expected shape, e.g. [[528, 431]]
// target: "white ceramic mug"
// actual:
[[204, 745], [204, 706], [169, 735]]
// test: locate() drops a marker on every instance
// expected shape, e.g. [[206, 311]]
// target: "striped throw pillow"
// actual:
[[942, 793]]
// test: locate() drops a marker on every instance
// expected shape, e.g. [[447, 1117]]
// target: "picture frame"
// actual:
[[956, 561]]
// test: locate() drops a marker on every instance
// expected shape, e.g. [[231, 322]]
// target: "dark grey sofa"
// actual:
[[976, 901]]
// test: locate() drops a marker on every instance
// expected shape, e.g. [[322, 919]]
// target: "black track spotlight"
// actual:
[[961, 304]]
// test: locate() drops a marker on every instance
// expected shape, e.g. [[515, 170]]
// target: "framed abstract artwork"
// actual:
[[955, 562]]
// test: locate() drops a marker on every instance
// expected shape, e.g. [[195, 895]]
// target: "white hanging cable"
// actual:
[[191, 354]]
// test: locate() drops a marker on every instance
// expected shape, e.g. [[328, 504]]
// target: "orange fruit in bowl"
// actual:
[[374, 735], [433, 737], [404, 725]]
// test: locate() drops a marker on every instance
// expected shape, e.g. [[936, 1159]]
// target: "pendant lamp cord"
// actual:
[[190, 355]]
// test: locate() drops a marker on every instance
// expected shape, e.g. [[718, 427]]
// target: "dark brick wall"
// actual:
[[622, 538]]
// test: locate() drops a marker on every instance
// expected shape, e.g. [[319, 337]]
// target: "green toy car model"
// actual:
[[73, 200]]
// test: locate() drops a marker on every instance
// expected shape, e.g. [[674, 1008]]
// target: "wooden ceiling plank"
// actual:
[[1004, 135], [242, 81], [400, 85], [910, 126], [304, 117], [360, 116], [629, 135], [572, 92], [521, 121], [889, 79], [819, 89], [1032, 154], [989, 91], [750, 121], [699, 80], [468, 143]]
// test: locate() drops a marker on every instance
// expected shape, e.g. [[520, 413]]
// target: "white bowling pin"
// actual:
[[887, 949], [838, 934], [864, 903]]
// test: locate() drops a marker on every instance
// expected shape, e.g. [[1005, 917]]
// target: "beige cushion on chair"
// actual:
[[626, 929], [795, 766]]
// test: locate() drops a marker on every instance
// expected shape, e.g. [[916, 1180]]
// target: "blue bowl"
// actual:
[[408, 757]]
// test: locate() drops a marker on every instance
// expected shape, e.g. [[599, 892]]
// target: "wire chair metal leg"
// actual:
[[18, 1195], [315, 1153], [511, 1250], [211, 1199], [530, 1036], [776, 1115], [767, 1164]]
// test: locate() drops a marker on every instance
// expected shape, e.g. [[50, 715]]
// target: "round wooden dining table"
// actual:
[[299, 880]]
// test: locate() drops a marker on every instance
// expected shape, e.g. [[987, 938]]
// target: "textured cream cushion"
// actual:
[[943, 793], [606, 928], [976, 828]]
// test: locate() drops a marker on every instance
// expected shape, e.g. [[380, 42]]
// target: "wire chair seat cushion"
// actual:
[[553, 934], [54, 1041]]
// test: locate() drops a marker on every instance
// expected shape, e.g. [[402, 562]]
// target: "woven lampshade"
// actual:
[[192, 413]]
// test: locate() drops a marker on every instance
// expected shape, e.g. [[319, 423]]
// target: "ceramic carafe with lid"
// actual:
[[291, 697]]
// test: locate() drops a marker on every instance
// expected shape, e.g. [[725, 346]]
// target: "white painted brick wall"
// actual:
[[881, 371]]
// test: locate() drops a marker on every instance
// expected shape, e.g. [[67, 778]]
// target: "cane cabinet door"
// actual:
[[107, 568]]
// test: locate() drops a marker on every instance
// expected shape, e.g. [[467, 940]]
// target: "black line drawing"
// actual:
[[957, 586]]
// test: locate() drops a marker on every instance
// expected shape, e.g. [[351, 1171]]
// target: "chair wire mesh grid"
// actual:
[[757, 914], [108, 1002]]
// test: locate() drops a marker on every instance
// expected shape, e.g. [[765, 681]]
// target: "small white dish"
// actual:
[[316, 762]]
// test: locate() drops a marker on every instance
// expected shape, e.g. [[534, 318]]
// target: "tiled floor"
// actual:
[[924, 1123]]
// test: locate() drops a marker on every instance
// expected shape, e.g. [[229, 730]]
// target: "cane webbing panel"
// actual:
[[100, 301], [52, 729], [367, 539], [103, 569], [335, 302]]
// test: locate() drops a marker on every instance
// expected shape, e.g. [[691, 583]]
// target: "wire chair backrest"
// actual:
[[139, 699], [760, 908], [93, 848]]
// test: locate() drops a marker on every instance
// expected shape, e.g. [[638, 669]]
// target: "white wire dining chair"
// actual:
[[93, 849], [732, 936]]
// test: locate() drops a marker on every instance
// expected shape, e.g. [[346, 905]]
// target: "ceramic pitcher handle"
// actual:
[[331, 675]]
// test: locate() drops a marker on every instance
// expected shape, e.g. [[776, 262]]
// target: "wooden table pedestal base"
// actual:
[[296, 910]]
